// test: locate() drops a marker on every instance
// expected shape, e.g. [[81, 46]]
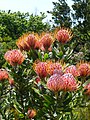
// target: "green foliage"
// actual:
[[82, 26], [26, 93], [61, 13]]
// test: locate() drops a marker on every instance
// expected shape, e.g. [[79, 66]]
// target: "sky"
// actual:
[[31, 6]]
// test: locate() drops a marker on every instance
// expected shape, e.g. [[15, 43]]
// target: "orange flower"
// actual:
[[46, 41], [55, 83], [64, 35], [53, 67], [40, 69], [68, 82], [73, 70], [38, 44], [31, 113], [14, 57], [3, 74], [84, 69], [26, 42]]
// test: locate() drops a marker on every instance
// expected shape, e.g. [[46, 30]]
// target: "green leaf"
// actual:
[[45, 56], [40, 55], [60, 54], [37, 91], [68, 100], [48, 99], [21, 116]]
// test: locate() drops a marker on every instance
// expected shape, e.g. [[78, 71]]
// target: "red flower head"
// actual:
[[73, 70], [40, 69], [14, 57], [87, 89], [55, 83], [69, 82], [31, 113], [54, 68], [3, 74], [46, 41], [64, 35], [26, 42], [84, 69], [38, 44]]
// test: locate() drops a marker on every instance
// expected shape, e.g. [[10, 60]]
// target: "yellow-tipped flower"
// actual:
[[73, 70], [84, 68], [46, 41], [26, 42], [55, 83], [54, 67], [14, 57], [64, 35], [40, 68]]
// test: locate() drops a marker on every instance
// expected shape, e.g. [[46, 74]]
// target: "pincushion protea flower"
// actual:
[[40, 68], [26, 42], [31, 113], [3, 74], [46, 42], [65, 82], [14, 57], [87, 89], [53, 67], [69, 82], [38, 44], [54, 83], [84, 68], [73, 70], [64, 35]]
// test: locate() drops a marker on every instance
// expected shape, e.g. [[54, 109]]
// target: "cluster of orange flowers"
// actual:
[[43, 69], [49, 68], [61, 78], [43, 41], [53, 69]]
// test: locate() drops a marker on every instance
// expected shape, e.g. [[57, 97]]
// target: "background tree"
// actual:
[[61, 13], [81, 18]]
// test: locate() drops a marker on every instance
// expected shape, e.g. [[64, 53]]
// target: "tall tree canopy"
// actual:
[[61, 13], [81, 17]]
